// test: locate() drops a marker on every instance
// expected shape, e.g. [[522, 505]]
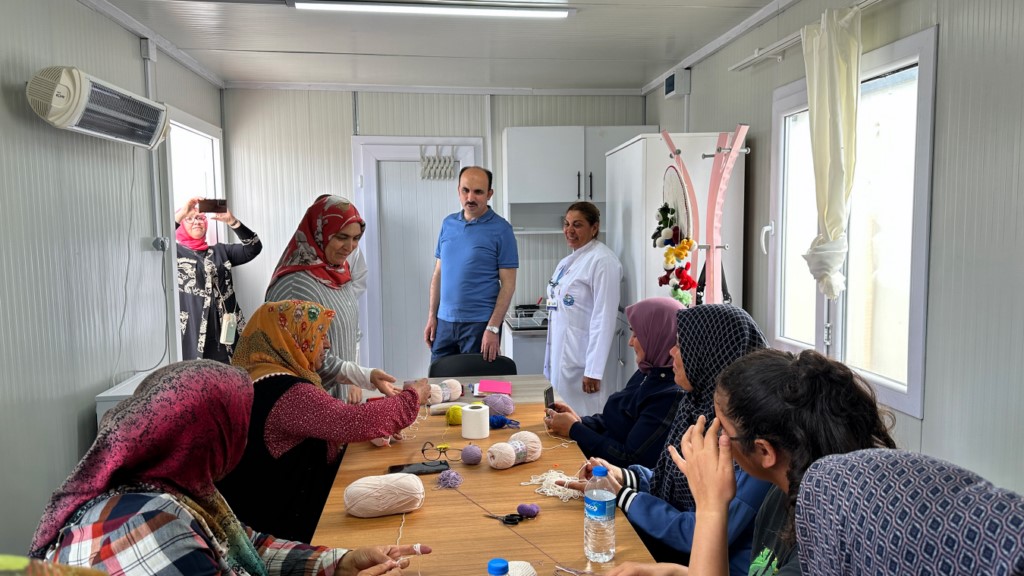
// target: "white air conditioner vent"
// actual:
[[73, 100]]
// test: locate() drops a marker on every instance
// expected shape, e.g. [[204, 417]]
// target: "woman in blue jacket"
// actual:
[[658, 502], [635, 421]]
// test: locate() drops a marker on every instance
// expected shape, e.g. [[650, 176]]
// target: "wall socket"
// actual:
[[155, 244]]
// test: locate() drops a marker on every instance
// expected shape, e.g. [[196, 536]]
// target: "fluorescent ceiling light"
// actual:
[[440, 9]]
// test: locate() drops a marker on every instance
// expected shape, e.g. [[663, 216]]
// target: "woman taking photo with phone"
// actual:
[[210, 319]]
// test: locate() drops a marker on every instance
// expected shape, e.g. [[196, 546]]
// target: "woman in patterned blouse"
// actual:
[[142, 500]]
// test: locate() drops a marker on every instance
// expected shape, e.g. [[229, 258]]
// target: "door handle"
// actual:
[[765, 230], [590, 177], [578, 185]]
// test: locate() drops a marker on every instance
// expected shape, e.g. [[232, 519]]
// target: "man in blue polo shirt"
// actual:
[[474, 276]]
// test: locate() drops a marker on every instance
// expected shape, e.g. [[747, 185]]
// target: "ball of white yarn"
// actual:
[[520, 568], [521, 447], [446, 391], [374, 496]]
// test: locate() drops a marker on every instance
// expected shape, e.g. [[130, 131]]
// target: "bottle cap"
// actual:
[[497, 566], [600, 471]]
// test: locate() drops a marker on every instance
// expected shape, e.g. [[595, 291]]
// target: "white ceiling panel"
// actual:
[[606, 44]]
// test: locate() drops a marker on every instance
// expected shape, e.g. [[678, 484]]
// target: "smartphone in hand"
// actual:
[[213, 205], [549, 397], [420, 468]]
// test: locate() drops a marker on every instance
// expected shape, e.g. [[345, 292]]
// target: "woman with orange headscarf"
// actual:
[[297, 428], [322, 264]]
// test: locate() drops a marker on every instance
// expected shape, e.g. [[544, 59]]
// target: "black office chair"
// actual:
[[471, 365]]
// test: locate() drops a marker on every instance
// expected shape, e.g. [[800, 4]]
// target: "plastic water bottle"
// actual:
[[497, 567], [599, 521]]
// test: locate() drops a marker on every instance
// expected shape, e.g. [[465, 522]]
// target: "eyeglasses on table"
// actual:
[[443, 450]]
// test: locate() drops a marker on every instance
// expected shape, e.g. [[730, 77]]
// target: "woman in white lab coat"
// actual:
[[582, 304]]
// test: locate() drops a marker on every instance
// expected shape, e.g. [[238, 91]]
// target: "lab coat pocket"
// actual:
[[574, 349]]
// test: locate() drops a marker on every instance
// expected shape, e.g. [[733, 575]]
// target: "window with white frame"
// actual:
[[194, 163], [877, 326]]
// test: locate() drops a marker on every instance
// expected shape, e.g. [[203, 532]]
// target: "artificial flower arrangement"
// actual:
[[677, 250]]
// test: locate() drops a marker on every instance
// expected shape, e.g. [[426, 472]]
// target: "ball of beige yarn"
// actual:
[[447, 391], [521, 447], [373, 496]]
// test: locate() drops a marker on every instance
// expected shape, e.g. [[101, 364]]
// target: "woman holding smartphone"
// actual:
[[210, 319]]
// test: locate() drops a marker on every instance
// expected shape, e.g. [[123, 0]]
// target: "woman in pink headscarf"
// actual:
[[634, 424], [206, 291], [322, 264], [142, 501]]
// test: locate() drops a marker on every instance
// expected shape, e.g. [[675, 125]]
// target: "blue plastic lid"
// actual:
[[600, 471], [497, 566]]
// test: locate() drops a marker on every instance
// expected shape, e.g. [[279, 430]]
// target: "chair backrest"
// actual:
[[471, 365]]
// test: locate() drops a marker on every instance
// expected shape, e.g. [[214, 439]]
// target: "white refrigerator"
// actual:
[[635, 173]]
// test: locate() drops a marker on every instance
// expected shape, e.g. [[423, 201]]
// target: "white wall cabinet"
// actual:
[[546, 168]]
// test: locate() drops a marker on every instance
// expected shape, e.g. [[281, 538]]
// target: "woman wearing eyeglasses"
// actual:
[[206, 291], [297, 429]]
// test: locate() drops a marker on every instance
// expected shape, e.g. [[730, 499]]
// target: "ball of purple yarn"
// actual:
[[449, 479], [500, 404], [471, 455], [528, 510]]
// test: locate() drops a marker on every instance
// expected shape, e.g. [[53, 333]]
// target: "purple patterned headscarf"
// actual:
[[881, 512]]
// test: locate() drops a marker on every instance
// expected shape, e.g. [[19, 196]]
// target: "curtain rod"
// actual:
[[776, 49]]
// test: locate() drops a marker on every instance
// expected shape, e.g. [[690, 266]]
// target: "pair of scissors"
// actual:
[[508, 519]]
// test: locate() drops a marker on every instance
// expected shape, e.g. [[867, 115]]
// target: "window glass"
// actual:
[[798, 229], [879, 233]]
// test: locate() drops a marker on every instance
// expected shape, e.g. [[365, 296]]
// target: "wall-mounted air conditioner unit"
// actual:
[[73, 100]]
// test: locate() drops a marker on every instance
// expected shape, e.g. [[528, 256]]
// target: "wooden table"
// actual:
[[452, 522]]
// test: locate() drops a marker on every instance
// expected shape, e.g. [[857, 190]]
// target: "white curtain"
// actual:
[[832, 52]]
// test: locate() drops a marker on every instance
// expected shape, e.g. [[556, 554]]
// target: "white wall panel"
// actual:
[[398, 114], [973, 391], [186, 90], [282, 149], [72, 218]]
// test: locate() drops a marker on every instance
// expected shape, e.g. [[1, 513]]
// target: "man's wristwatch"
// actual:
[[493, 329]]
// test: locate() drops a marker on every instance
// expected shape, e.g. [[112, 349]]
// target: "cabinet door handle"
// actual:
[[590, 177], [578, 183]]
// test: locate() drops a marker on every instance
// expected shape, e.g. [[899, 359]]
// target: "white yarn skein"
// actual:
[[521, 447], [373, 496], [520, 568], [447, 391]]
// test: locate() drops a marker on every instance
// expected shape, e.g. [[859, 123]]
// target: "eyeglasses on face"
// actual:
[[431, 452], [191, 219]]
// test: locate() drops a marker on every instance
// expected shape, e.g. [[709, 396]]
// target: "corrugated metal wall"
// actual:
[[277, 140], [282, 149], [187, 90], [73, 212], [973, 391]]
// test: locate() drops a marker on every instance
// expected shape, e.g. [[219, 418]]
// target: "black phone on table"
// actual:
[[213, 205], [549, 397], [420, 468]]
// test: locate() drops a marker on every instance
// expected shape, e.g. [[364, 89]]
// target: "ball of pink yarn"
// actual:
[[500, 404], [472, 455]]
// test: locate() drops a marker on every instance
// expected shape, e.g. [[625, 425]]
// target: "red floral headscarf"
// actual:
[[305, 251], [186, 239]]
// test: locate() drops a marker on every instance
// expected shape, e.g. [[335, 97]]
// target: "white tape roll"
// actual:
[[476, 421]]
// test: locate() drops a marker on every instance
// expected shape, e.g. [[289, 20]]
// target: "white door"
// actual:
[[403, 214]]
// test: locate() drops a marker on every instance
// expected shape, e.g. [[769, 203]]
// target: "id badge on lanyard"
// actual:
[[552, 303]]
